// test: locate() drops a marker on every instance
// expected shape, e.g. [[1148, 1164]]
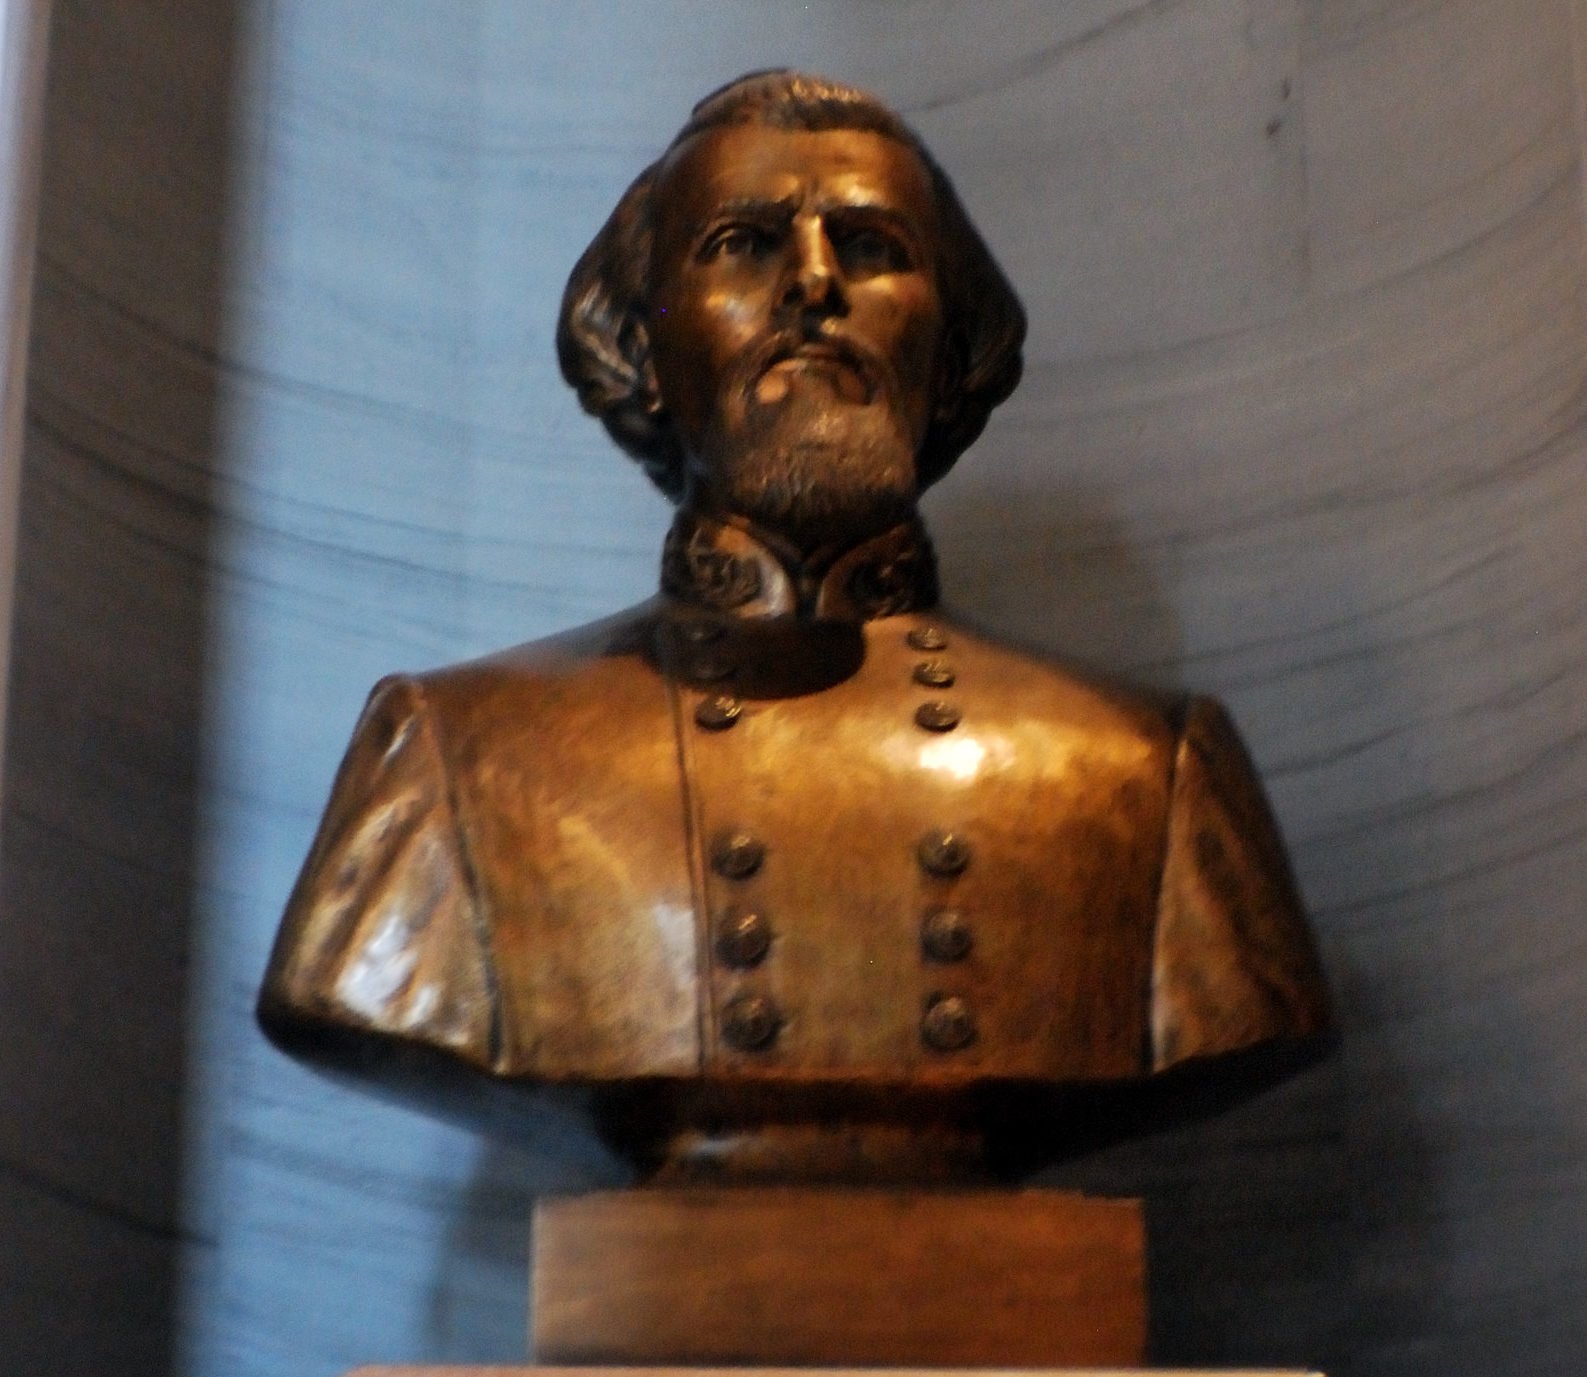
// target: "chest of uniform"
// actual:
[[928, 868], [906, 854]]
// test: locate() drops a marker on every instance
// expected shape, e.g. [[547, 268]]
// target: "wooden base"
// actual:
[[808, 1276]]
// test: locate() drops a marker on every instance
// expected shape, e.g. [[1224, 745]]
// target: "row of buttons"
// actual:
[[743, 937], [720, 711], [941, 852], [948, 1024], [750, 1021], [936, 714]]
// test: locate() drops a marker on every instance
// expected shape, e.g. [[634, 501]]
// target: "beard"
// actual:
[[811, 466]]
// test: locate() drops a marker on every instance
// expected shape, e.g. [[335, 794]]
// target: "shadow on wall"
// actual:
[[1266, 1222], [1244, 1172], [482, 1268], [1053, 569], [108, 693], [1396, 1245]]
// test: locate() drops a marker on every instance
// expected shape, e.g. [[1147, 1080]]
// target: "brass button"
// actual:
[[948, 1025], [937, 716], [943, 853], [927, 638], [719, 713], [701, 633], [934, 674], [737, 855], [945, 935], [750, 1022], [743, 937]]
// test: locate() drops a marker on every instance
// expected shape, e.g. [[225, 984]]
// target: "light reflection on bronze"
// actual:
[[963, 758]]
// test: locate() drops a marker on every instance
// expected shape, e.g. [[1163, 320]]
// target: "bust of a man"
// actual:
[[797, 868]]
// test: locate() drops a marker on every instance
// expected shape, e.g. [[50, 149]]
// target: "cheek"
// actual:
[[697, 337], [705, 331], [732, 323], [922, 340], [911, 330], [915, 336], [911, 322]]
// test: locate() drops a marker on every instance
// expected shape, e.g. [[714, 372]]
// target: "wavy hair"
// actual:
[[603, 342]]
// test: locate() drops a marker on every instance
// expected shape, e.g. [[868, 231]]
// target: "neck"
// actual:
[[728, 564]]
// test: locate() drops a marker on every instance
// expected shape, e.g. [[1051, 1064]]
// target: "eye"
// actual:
[[864, 249], [735, 241]]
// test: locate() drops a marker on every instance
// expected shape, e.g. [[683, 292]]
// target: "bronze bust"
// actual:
[[786, 858]]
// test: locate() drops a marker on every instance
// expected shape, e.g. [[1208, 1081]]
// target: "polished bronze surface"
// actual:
[[495, 822], [557, 864]]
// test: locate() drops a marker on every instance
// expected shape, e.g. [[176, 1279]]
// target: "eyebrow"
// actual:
[[782, 210], [871, 212], [752, 208]]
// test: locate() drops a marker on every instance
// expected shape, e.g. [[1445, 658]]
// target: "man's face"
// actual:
[[795, 324]]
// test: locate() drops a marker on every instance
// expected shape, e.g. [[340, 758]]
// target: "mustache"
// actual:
[[871, 368]]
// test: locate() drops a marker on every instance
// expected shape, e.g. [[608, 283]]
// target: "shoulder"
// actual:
[[536, 683], [1235, 963], [544, 708]]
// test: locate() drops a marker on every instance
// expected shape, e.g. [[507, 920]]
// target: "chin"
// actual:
[[810, 509], [816, 474]]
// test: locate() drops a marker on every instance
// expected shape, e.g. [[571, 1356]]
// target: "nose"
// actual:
[[813, 282]]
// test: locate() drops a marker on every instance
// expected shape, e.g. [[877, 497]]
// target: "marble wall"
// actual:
[[24, 30], [1302, 425]]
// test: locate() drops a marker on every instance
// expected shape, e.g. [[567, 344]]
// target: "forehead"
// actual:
[[746, 163]]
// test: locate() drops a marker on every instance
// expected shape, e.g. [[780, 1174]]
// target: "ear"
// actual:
[[636, 350], [648, 393]]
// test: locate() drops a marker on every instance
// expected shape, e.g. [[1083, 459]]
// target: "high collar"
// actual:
[[729, 565]]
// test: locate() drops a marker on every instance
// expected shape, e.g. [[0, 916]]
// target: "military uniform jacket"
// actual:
[[915, 855]]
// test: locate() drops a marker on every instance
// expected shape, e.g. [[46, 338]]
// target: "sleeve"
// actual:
[[381, 934], [1234, 964]]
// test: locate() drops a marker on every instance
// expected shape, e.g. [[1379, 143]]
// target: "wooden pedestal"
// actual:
[[783, 1276], [834, 1283]]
